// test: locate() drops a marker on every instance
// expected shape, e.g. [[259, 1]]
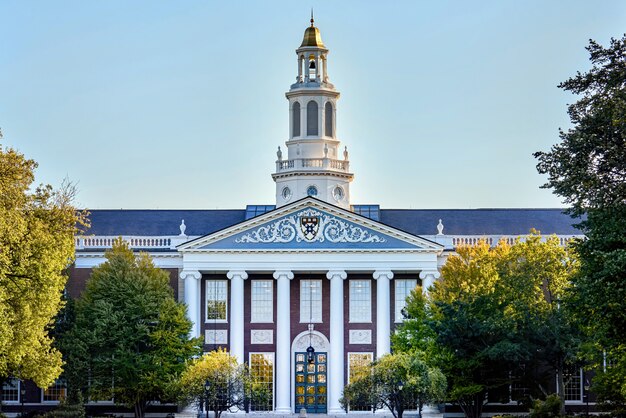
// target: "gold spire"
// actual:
[[312, 36]]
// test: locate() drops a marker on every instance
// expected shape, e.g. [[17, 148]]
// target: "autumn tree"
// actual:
[[37, 229], [218, 382], [497, 317], [399, 382], [587, 168], [130, 340]]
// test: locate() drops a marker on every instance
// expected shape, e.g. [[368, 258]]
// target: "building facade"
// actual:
[[313, 269]]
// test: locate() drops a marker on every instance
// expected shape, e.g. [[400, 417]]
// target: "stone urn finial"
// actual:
[[325, 150], [182, 227], [440, 228], [345, 153], [279, 154]]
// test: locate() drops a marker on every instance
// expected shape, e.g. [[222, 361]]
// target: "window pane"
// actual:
[[262, 373], [360, 301], [296, 119], [216, 299], [357, 364], [11, 390], [310, 301], [262, 301], [572, 378], [55, 392], [403, 289], [311, 118]]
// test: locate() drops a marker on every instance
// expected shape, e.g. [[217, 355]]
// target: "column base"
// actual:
[[283, 410]]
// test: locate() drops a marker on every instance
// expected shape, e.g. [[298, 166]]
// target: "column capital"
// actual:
[[383, 274], [433, 273], [332, 274], [237, 273], [190, 274], [283, 273]]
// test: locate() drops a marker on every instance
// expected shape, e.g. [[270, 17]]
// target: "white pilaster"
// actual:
[[383, 309], [236, 278], [428, 278], [336, 354], [283, 342], [192, 298]]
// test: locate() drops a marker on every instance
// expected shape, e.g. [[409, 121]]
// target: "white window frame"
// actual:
[[580, 400], [206, 301], [273, 356], [305, 316], [352, 314], [43, 392], [19, 393], [254, 319], [397, 313]]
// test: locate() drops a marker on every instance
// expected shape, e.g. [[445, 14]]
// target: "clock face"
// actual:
[[311, 191], [286, 193], [338, 193]]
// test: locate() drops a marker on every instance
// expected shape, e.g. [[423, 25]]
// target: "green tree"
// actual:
[[130, 340], [498, 316], [588, 170], [397, 381], [219, 382], [37, 231]]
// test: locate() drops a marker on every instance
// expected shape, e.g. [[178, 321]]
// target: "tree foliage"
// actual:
[[130, 340], [497, 317], [588, 170], [398, 382], [37, 231], [230, 386]]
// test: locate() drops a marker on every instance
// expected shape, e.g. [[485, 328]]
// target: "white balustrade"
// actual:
[[312, 164], [133, 241]]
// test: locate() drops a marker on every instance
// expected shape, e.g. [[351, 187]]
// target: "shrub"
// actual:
[[550, 408]]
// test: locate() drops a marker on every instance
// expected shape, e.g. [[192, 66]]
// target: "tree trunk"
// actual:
[[140, 408], [560, 382]]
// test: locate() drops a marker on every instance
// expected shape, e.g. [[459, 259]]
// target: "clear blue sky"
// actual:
[[180, 104]]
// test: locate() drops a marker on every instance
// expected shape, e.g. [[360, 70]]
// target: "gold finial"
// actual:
[[312, 20]]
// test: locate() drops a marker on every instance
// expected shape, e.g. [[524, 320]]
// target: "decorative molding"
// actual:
[[290, 228], [216, 336], [384, 274], [360, 336], [190, 274], [261, 336], [306, 339], [433, 273]]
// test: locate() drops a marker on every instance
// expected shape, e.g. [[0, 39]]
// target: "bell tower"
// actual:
[[315, 164]]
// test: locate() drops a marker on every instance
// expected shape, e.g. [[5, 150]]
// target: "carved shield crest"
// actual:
[[309, 225]]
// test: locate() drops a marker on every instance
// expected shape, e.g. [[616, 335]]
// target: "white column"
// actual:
[[236, 278], [283, 342], [336, 356], [428, 279], [383, 309], [192, 298]]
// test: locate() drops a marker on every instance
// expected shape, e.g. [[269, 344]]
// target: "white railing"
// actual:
[[133, 241], [312, 164], [453, 241]]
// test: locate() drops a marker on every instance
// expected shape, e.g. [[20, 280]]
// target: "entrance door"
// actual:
[[311, 383]]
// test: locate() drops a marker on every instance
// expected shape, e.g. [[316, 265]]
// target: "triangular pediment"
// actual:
[[310, 225]]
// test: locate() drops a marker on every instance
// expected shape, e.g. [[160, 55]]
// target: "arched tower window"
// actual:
[[295, 120], [328, 117], [311, 118]]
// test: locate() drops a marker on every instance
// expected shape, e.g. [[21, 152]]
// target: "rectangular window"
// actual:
[[403, 290], [360, 301], [262, 301], [55, 392], [11, 390], [216, 300], [310, 301], [357, 364], [573, 377], [262, 374]]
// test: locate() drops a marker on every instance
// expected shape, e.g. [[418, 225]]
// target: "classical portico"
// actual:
[[314, 242]]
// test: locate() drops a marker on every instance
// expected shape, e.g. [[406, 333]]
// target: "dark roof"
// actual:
[[480, 221], [161, 222], [417, 222]]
